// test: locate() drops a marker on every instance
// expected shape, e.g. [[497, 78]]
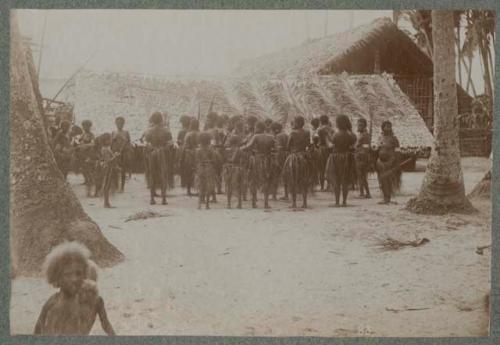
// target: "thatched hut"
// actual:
[[375, 48], [102, 96]]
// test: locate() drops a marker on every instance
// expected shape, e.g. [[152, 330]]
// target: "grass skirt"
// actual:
[[233, 176], [340, 168], [364, 162], [388, 172], [157, 167], [188, 167], [296, 170], [206, 179], [261, 171]]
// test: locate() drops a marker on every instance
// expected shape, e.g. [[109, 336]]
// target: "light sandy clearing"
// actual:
[[284, 273]]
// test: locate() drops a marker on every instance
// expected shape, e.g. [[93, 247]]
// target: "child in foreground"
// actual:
[[73, 309]]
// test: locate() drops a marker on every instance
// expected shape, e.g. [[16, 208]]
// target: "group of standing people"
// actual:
[[244, 155], [104, 161], [241, 156]]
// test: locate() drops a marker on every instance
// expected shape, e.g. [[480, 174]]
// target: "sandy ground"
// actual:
[[284, 273]]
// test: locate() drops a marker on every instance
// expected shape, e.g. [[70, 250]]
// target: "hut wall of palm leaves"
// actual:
[[101, 97]]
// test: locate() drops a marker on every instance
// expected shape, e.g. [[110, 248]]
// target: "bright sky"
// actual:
[[176, 42], [170, 42]]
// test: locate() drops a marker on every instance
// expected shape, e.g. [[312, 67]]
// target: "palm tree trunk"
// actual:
[[44, 210], [443, 186]]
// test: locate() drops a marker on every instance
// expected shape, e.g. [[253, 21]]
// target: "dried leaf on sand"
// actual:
[[144, 215], [389, 243]]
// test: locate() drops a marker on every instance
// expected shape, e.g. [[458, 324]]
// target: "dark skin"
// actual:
[[298, 142], [363, 145], [325, 135], [121, 139], [262, 144], [281, 142], [85, 148], [343, 141], [190, 143], [217, 139], [109, 160], [387, 147], [234, 157], [158, 138], [204, 155], [73, 310]]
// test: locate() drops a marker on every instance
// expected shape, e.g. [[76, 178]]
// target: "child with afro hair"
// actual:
[[73, 309]]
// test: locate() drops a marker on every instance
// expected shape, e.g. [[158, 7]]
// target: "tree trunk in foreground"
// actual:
[[443, 189], [43, 209]]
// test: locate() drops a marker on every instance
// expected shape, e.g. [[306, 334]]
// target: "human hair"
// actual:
[[386, 123], [239, 125], [233, 119], [298, 121], [222, 120], [156, 118], [75, 130], [260, 127], [251, 120], [343, 122], [194, 124], [315, 122], [362, 120], [324, 119], [65, 125], [276, 127], [62, 255], [92, 270], [211, 120], [120, 119], [185, 120], [86, 124], [106, 139], [205, 139]]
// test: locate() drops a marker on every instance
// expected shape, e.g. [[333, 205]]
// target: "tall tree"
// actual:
[[479, 37], [44, 210], [443, 186]]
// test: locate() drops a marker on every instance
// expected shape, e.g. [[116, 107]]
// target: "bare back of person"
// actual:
[[299, 140]]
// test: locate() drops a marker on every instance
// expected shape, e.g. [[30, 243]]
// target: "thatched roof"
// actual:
[[102, 96], [329, 54]]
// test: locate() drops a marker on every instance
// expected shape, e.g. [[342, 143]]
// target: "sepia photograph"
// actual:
[[277, 173]]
